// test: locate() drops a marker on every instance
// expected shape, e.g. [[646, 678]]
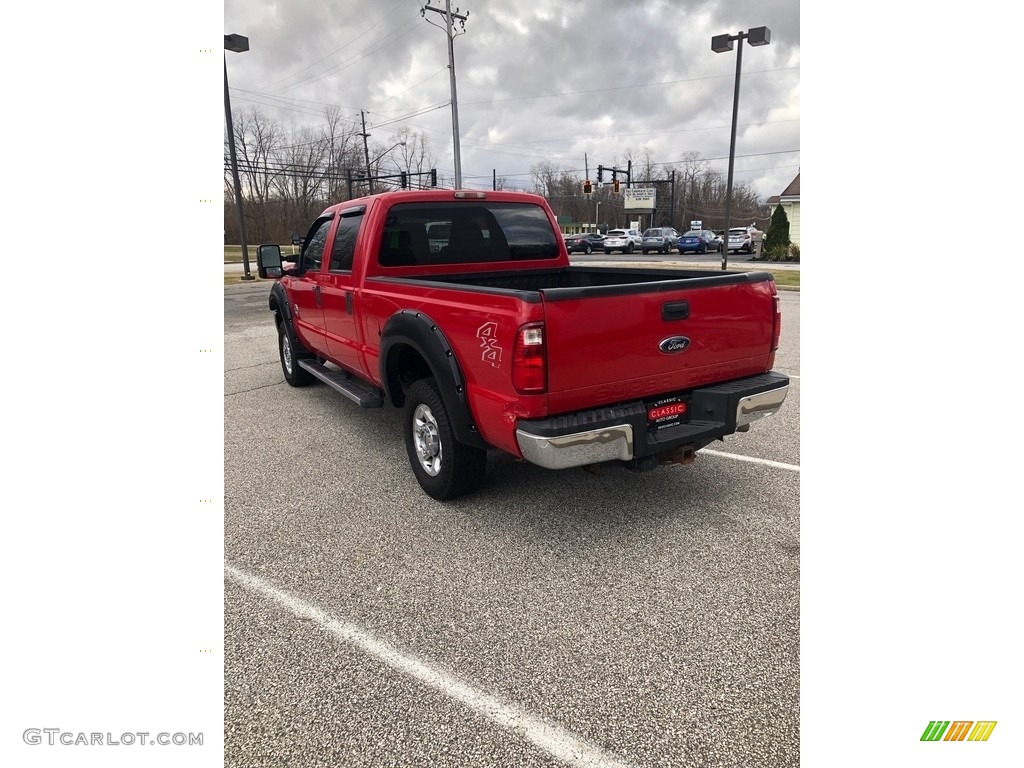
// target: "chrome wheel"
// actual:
[[286, 353], [427, 440]]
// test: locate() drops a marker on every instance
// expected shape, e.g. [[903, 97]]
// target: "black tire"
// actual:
[[644, 251], [607, 252], [444, 467], [587, 249], [290, 352], [629, 248]]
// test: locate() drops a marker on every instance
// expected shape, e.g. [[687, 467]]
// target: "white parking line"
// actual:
[[765, 462], [552, 739]]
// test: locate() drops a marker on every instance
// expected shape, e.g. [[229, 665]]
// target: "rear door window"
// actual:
[[343, 251]]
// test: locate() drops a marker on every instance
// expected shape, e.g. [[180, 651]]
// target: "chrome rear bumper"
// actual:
[[621, 432]]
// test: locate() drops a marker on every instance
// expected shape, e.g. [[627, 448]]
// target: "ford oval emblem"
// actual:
[[674, 344]]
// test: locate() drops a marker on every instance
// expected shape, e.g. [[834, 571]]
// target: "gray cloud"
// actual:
[[538, 81]]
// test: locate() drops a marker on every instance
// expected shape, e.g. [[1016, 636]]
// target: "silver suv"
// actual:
[[625, 240], [740, 240], [660, 239]]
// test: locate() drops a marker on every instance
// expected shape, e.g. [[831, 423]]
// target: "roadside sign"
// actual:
[[639, 199], [694, 225]]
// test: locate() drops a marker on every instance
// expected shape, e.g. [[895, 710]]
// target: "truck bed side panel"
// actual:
[[481, 329]]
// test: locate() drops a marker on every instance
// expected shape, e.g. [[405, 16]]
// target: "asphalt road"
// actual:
[[554, 618]]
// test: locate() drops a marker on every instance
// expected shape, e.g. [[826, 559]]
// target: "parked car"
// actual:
[[625, 240], [587, 242], [660, 239], [698, 241], [740, 240]]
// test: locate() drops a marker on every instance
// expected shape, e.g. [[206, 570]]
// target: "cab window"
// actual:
[[313, 253], [344, 249]]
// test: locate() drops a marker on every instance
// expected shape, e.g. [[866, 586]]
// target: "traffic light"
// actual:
[[587, 187], [405, 179], [433, 177], [615, 185], [600, 174]]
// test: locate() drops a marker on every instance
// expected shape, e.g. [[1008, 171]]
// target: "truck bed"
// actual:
[[613, 334], [579, 282]]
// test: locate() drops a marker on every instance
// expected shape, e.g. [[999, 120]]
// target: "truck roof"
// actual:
[[438, 195]]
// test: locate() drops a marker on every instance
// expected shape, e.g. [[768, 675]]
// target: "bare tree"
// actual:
[[545, 176], [257, 142], [342, 153], [502, 183], [287, 181], [300, 188], [414, 156]]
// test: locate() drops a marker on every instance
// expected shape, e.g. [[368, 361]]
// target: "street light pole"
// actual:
[[756, 36], [238, 44]]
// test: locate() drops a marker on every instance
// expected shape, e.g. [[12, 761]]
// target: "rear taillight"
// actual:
[[776, 322], [529, 368]]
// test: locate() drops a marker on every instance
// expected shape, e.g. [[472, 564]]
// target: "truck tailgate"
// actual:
[[641, 341]]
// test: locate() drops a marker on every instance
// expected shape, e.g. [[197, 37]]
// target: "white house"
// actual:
[[790, 202]]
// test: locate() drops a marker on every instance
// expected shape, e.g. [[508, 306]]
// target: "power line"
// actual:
[[347, 62], [560, 94]]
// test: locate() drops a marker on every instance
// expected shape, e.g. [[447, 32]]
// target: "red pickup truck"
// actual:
[[461, 307]]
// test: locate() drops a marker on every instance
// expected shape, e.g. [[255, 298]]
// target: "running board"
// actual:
[[355, 390]]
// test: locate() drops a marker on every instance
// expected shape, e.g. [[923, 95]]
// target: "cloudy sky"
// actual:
[[544, 80]]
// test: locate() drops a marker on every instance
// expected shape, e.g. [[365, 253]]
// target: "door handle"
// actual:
[[675, 310]]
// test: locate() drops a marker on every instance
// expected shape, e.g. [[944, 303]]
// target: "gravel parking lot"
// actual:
[[553, 618]]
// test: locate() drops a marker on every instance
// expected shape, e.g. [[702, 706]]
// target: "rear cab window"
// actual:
[[466, 233]]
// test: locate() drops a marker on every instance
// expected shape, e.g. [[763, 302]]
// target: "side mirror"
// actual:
[[268, 261]]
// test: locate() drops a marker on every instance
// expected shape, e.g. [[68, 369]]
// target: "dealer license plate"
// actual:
[[666, 412]]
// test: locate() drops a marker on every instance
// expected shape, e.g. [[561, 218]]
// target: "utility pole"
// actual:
[[366, 150], [449, 30]]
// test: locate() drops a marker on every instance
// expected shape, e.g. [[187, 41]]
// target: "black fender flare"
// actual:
[[278, 303], [283, 314], [414, 329]]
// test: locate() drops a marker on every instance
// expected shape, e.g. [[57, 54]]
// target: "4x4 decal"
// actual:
[[488, 335]]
